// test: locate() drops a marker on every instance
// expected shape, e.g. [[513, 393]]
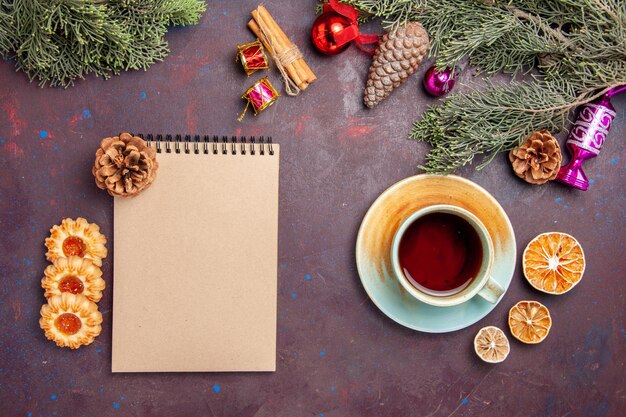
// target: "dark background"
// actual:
[[337, 354]]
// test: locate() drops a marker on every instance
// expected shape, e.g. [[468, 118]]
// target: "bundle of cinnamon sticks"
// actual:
[[285, 54]]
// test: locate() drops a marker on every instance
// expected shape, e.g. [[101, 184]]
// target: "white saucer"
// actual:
[[373, 248]]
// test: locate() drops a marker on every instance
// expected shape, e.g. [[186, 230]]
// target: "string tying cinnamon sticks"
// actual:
[[288, 59], [282, 60]]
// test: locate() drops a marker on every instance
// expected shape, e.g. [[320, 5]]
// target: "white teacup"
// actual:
[[482, 284]]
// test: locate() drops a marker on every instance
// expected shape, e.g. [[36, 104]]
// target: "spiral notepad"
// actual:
[[195, 259]]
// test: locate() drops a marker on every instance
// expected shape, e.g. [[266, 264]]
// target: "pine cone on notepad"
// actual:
[[396, 59], [125, 165]]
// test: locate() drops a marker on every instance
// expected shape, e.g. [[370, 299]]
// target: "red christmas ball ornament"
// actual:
[[439, 82], [337, 27], [326, 32]]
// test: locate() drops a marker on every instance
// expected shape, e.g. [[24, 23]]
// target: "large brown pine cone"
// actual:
[[125, 165], [397, 57], [538, 160]]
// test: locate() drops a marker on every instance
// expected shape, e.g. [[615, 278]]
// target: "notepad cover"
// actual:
[[195, 275]]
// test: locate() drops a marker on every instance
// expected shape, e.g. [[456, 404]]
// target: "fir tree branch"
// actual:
[[614, 16], [59, 41], [6, 35], [556, 33], [583, 98], [484, 123], [574, 51]]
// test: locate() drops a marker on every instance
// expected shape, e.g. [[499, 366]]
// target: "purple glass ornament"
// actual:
[[587, 137], [438, 83]]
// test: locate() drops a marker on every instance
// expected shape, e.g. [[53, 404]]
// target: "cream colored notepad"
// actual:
[[195, 260]]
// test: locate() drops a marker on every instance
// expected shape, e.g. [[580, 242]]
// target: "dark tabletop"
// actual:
[[337, 354]]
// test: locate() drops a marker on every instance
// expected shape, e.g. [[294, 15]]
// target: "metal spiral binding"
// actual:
[[218, 145], [168, 143]]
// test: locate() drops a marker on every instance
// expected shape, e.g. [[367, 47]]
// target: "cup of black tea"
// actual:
[[442, 255]]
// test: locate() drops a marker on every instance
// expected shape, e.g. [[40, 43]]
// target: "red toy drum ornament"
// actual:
[[252, 57], [337, 27], [260, 96]]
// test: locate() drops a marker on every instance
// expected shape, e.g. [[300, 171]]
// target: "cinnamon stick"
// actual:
[[298, 70], [302, 68], [291, 71], [254, 27]]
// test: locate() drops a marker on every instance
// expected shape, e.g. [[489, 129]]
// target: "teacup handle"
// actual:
[[491, 291]]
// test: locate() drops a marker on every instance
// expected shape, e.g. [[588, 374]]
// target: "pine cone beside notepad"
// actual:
[[125, 165]]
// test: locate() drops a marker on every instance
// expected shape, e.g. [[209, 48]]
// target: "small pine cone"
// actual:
[[538, 160], [125, 165], [397, 57]]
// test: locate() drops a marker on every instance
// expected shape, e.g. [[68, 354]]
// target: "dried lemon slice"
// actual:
[[553, 262], [529, 321], [491, 344]]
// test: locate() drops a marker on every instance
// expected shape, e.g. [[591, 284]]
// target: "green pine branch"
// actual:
[[573, 50], [59, 41], [6, 35], [487, 122]]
